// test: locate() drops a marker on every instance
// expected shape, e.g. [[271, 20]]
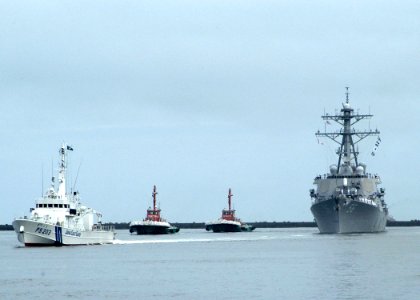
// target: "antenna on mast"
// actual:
[[77, 175], [230, 198], [42, 182], [154, 197], [347, 94], [52, 173]]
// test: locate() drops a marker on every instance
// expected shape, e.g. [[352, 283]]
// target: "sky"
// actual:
[[197, 97]]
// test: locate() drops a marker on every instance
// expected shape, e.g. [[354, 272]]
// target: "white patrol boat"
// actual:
[[60, 219]]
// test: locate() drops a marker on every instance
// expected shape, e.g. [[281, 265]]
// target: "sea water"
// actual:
[[293, 263]]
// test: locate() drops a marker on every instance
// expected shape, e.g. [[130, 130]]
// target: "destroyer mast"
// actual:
[[347, 152]]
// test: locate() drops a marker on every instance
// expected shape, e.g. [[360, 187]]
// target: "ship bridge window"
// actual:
[[50, 205], [55, 205], [60, 205]]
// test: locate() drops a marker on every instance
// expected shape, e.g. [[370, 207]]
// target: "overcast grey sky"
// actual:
[[200, 96]]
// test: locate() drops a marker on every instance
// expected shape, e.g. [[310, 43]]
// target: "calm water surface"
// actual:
[[293, 263]]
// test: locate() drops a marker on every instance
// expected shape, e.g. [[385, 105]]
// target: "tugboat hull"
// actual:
[[229, 227], [152, 229], [224, 228]]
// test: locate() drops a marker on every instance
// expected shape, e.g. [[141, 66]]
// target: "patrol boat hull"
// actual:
[[33, 233], [335, 216]]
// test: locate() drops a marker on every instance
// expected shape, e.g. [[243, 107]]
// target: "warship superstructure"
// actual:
[[348, 199]]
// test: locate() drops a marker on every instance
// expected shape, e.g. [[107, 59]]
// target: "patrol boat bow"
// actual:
[[59, 218]]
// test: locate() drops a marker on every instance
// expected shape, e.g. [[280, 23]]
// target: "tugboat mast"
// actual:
[[154, 197], [347, 118], [230, 198]]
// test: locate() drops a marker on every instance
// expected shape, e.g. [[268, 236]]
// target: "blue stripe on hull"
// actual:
[[58, 235]]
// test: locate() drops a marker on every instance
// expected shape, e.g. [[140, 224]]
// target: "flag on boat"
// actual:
[[378, 141]]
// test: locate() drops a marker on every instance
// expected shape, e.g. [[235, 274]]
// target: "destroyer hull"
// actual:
[[33, 233], [334, 216], [152, 229]]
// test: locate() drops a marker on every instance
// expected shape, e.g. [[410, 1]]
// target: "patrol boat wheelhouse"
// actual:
[[153, 223], [59, 218], [228, 221], [347, 199]]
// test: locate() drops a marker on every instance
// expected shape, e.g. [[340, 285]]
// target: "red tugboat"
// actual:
[[153, 223], [228, 222]]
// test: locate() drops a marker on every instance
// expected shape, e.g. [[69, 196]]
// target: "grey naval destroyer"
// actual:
[[348, 199]]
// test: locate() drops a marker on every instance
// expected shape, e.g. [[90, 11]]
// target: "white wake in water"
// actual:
[[191, 240]]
